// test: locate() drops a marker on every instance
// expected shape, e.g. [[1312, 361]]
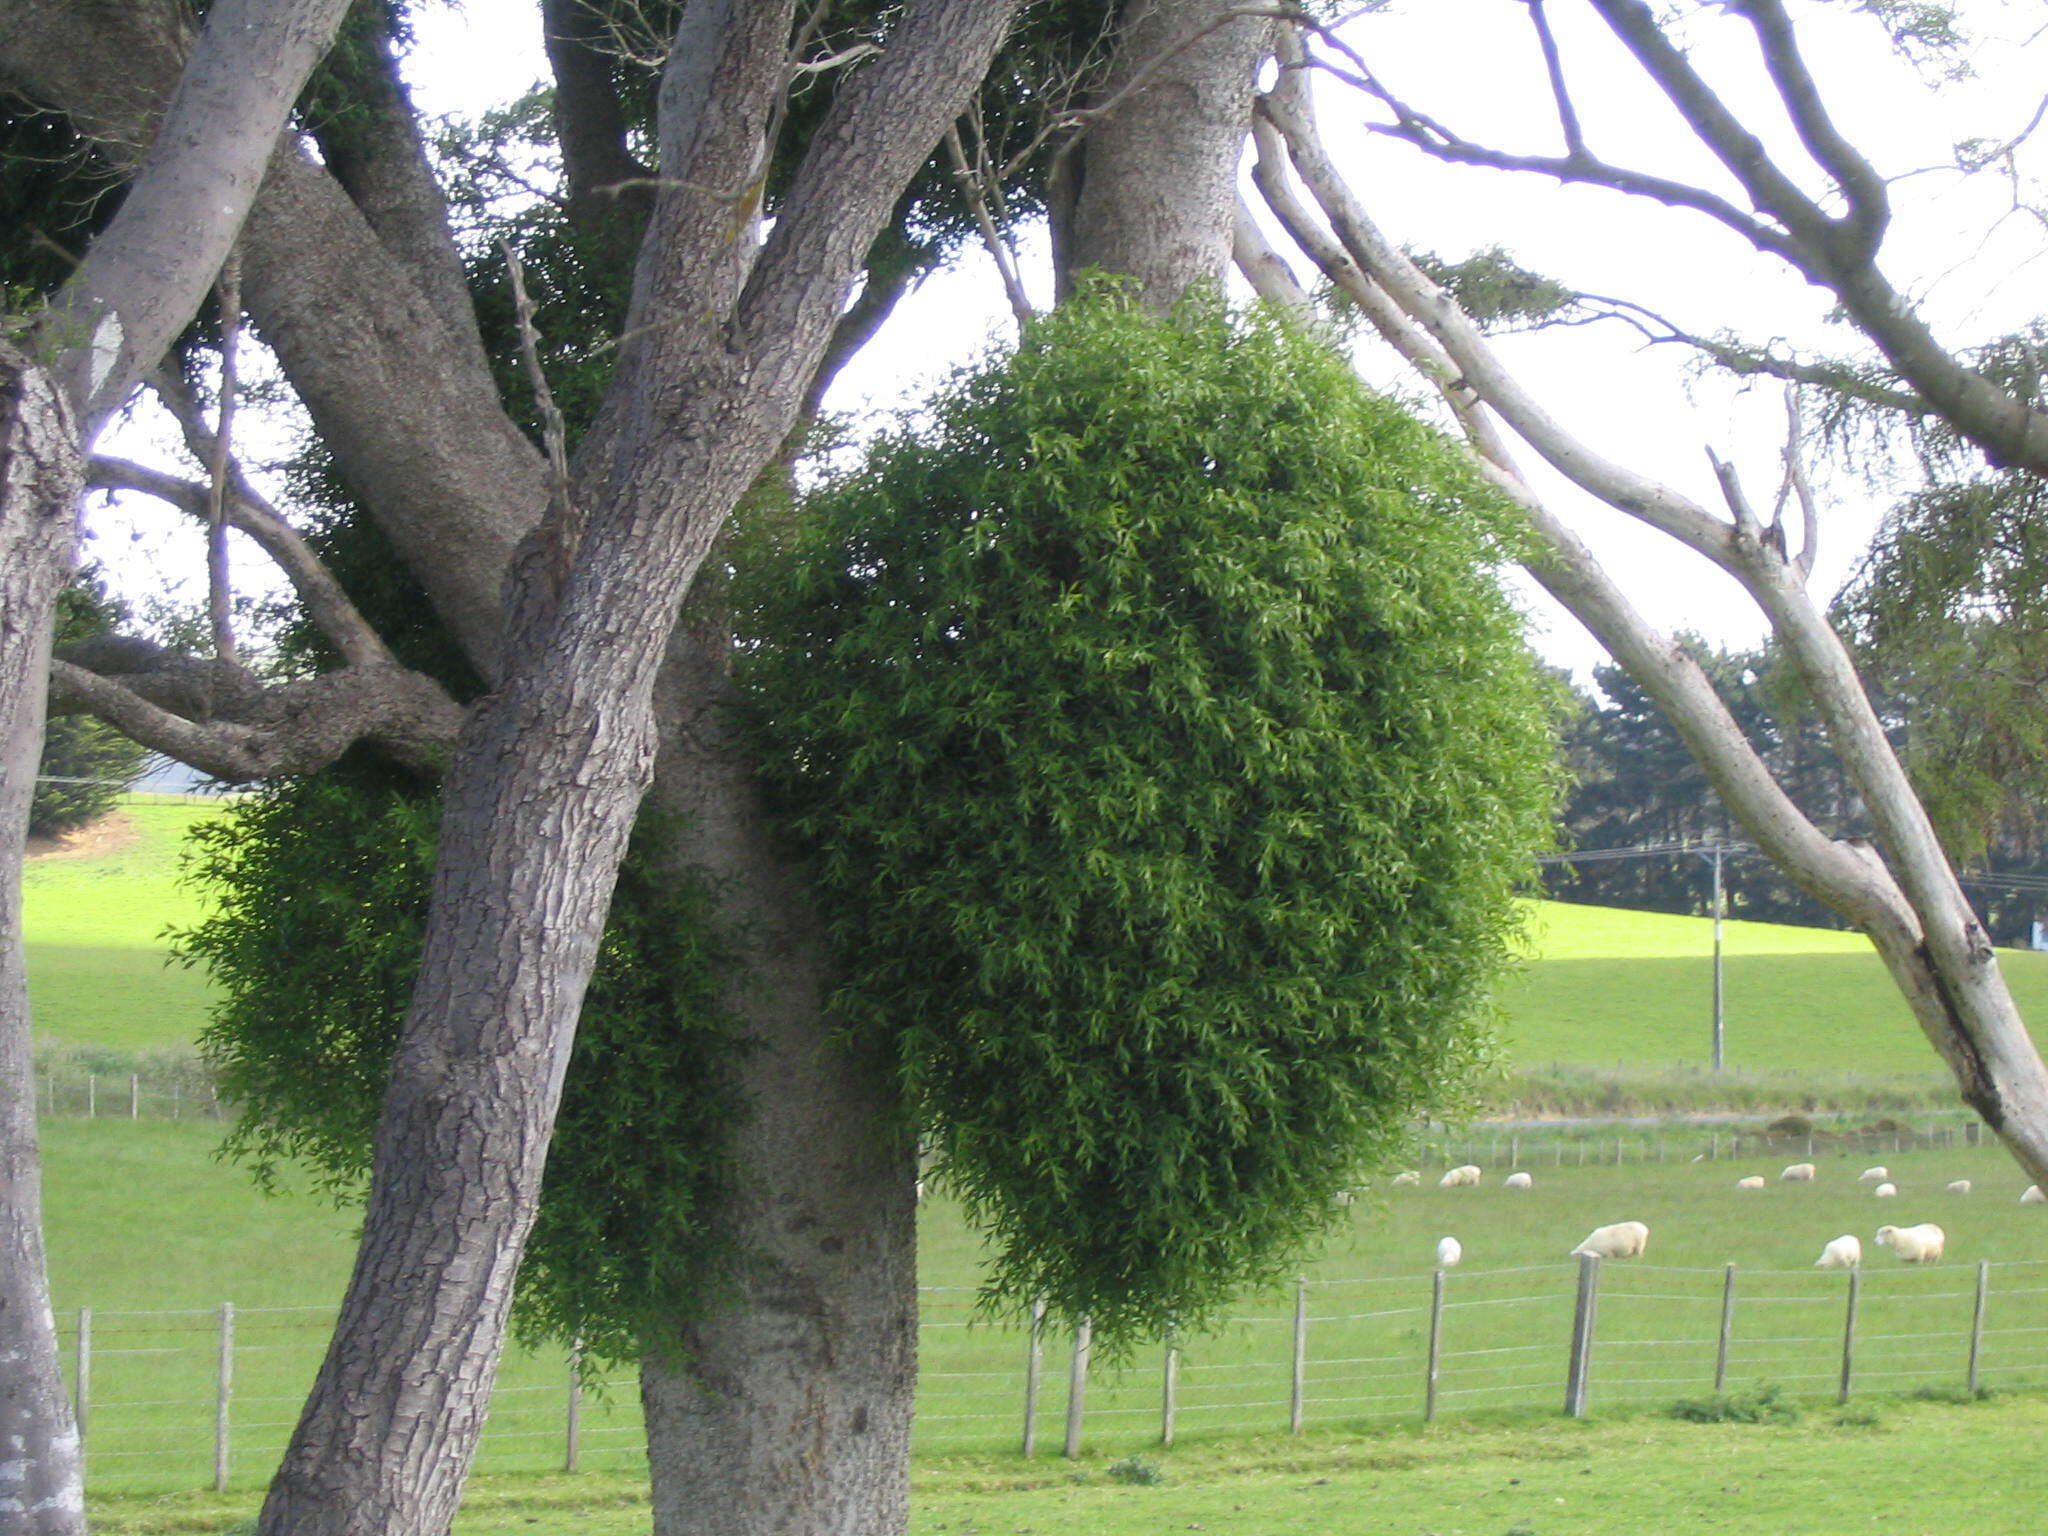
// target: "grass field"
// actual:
[[1911, 1469], [97, 959]]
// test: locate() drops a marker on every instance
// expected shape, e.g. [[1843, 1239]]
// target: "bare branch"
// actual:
[[325, 602], [1553, 65], [554, 433], [970, 184], [219, 597], [1802, 488]]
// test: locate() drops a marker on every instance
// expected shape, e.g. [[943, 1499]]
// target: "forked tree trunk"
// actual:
[[41, 475]]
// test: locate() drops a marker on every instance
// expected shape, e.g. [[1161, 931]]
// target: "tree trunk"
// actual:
[[790, 1413], [42, 1491], [1152, 186]]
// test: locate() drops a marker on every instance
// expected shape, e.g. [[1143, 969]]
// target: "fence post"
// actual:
[[572, 1427], [1849, 1331], [1033, 1355], [1971, 1131], [1582, 1336], [1514, 1151], [1977, 1320], [81, 1393], [1727, 1329], [1436, 1345], [224, 1382], [1077, 1387], [92, 1095], [1169, 1379], [134, 1096], [1809, 1143], [177, 1102], [1714, 1147], [1300, 1371]]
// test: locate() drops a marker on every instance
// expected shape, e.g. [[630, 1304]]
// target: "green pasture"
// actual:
[[1605, 987], [153, 1234], [97, 959], [1913, 1467]]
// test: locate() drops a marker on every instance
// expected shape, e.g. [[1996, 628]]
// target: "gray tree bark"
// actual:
[[41, 476]]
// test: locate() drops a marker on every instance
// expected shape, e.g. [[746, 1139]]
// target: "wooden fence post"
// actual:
[[92, 1095], [1727, 1329], [224, 1382], [1849, 1331], [81, 1386], [1297, 1379], [1575, 1388], [1514, 1151], [1077, 1386], [1169, 1380], [1977, 1320], [572, 1426], [134, 1096], [1436, 1345], [1033, 1355]]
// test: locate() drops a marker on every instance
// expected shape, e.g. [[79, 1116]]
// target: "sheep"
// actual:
[[1448, 1251], [1885, 1191], [1845, 1252], [1754, 1181], [1343, 1197], [1875, 1175], [1518, 1181], [2033, 1196], [1914, 1245], [1462, 1175], [1623, 1240], [1960, 1187], [1798, 1173], [1407, 1180]]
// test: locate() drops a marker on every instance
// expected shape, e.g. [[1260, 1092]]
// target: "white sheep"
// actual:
[[1407, 1180], [1458, 1177], [1623, 1240], [1914, 1245], [1448, 1251], [1518, 1181], [1754, 1181], [1875, 1175], [2033, 1196], [1798, 1173], [1845, 1252], [1343, 1197], [1885, 1191], [1960, 1187]]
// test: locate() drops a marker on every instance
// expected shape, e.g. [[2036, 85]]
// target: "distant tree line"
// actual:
[[1635, 785]]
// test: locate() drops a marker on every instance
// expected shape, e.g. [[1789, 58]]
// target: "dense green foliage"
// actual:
[[323, 885], [1170, 756], [85, 765]]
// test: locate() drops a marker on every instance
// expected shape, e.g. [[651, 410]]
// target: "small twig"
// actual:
[[554, 435], [991, 237], [1738, 499], [219, 592], [1802, 488], [1553, 64]]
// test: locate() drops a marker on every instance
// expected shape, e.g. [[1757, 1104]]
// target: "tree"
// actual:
[[62, 373], [1901, 890]]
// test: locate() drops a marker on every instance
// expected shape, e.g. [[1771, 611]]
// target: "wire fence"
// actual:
[[184, 1398]]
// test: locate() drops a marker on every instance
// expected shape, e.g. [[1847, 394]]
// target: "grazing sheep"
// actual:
[[1845, 1252], [1623, 1240], [1407, 1180], [1754, 1181], [2033, 1196], [1960, 1187], [1518, 1181], [1875, 1175], [1448, 1251], [1343, 1197], [1885, 1191], [1798, 1173], [1914, 1245], [1462, 1175]]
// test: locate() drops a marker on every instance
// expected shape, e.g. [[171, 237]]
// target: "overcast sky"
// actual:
[[1957, 246]]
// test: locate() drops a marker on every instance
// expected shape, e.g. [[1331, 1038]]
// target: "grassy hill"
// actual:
[[1603, 988], [95, 917]]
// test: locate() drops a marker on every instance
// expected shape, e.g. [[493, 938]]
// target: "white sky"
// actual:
[[1472, 64]]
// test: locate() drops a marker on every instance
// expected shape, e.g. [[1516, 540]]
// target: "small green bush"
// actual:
[[1169, 756], [1764, 1404], [1137, 1470]]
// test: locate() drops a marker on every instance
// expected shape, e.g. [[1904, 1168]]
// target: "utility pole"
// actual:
[[1718, 1023]]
